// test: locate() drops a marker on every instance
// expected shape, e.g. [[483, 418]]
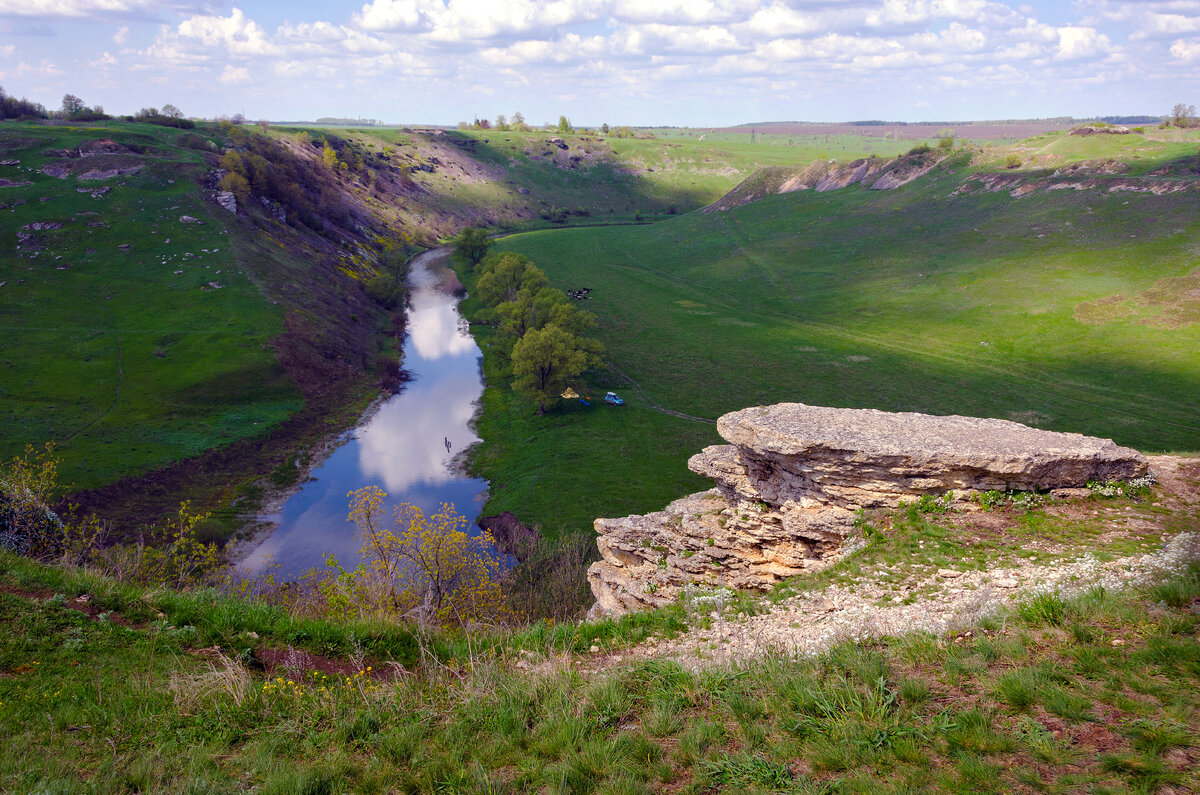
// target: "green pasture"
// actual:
[[1067, 310], [128, 358]]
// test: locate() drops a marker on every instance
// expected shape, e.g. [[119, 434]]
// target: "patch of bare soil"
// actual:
[[1103, 310]]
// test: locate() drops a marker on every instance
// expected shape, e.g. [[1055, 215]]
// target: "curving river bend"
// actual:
[[405, 447]]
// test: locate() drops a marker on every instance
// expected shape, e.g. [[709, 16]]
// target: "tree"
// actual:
[[472, 244], [171, 112], [1182, 115], [564, 125], [545, 360], [72, 104], [536, 309], [518, 122], [604, 128], [236, 184], [329, 156], [502, 123], [504, 275], [427, 568]]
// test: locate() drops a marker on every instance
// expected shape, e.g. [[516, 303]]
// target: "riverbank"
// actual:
[[406, 445]]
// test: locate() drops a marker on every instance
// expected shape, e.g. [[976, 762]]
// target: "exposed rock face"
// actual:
[[793, 476]]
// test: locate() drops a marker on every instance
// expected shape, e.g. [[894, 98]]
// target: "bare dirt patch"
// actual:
[[1179, 299], [1103, 310]]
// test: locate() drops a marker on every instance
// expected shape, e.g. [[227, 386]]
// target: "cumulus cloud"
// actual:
[[234, 75], [1077, 42], [1186, 50], [121, 35]]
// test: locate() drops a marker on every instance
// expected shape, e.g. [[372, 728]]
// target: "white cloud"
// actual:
[[779, 20], [1077, 42], [104, 60], [237, 34], [234, 75], [121, 35], [398, 15], [1186, 50], [684, 12], [71, 8]]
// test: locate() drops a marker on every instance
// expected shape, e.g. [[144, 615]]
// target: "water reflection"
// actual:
[[402, 448]]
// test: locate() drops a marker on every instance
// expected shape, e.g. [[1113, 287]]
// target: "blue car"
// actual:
[[613, 400]]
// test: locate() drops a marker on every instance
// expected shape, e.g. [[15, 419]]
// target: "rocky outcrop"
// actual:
[[792, 477], [825, 175]]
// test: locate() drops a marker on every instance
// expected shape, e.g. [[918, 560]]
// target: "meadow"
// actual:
[[1062, 309], [132, 337]]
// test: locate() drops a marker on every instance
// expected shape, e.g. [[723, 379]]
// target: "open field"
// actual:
[[1066, 309]]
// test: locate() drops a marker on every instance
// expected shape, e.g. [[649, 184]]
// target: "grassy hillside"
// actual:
[[132, 336], [106, 687], [451, 178], [1068, 309]]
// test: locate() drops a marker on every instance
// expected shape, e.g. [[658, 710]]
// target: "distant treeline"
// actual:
[[13, 108]]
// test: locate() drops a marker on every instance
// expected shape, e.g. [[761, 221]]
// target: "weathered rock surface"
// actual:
[[793, 476]]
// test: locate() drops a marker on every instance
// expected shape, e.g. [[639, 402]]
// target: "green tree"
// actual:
[[329, 156], [564, 125], [503, 276], [429, 568], [604, 128], [472, 244], [171, 112], [545, 360], [536, 309], [236, 184], [1182, 115], [72, 104]]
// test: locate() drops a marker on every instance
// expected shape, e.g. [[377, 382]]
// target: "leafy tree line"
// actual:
[[538, 329]]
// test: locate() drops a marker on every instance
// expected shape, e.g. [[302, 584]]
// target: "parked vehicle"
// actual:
[[613, 399]]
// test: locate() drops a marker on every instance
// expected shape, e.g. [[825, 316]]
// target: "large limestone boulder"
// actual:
[[865, 457], [789, 482]]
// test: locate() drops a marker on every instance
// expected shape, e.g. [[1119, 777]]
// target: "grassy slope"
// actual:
[[513, 176], [123, 362], [105, 688], [900, 300]]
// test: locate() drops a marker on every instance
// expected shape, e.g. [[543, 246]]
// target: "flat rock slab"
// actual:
[[922, 452]]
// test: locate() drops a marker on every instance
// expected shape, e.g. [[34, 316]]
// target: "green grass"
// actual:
[[1064, 310], [114, 697], [123, 362]]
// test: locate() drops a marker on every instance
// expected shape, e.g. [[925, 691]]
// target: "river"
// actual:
[[405, 447]]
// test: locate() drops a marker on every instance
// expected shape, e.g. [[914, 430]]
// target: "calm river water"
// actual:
[[402, 448]]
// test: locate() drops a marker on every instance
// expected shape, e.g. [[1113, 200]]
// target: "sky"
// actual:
[[640, 62]]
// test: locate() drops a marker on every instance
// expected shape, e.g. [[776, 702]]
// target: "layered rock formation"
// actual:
[[792, 477]]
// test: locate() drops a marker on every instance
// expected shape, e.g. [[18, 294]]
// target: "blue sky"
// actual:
[[674, 62]]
